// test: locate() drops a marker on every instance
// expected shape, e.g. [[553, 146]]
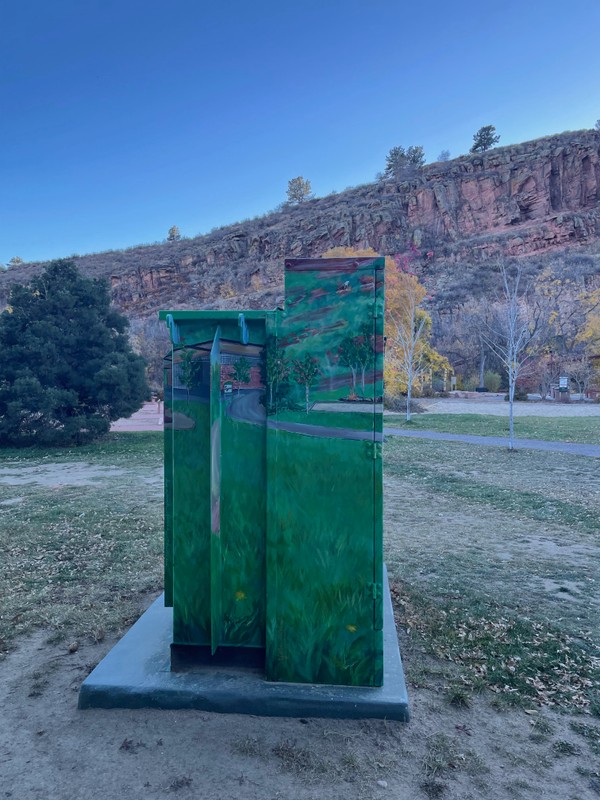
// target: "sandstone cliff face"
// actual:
[[528, 200]]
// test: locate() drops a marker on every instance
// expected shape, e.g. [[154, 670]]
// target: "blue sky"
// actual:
[[120, 118]]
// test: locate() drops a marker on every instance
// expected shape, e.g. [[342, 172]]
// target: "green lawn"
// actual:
[[121, 449], [497, 564], [585, 430]]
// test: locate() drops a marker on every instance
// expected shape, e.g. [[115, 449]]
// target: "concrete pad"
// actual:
[[136, 674]]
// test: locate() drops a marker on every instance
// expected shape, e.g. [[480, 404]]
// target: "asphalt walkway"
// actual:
[[592, 450]]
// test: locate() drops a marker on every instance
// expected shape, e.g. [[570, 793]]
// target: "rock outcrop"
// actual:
[[524, 201]]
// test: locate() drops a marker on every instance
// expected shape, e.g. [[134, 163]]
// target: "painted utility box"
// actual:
[[273, 478]]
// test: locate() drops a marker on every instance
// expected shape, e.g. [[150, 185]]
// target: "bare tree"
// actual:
[[581, 371], [515, 334], [545, 372], [150, 339], [460, 336]]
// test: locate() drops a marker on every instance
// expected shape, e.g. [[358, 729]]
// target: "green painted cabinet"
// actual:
[[273, 517]]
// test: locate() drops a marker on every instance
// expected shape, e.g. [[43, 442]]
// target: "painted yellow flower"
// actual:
[[351, 628], [239, 595]]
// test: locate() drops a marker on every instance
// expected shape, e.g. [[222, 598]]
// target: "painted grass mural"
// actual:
[[287, 556]]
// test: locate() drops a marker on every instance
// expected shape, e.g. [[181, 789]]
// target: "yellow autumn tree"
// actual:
[[572, 313], [589, 337], [410, 359], [589, 334]]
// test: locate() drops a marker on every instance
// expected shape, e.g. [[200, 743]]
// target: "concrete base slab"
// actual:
[[136, 674]]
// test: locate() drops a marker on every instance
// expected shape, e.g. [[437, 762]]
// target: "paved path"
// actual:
[[148, 418], [501, 441]]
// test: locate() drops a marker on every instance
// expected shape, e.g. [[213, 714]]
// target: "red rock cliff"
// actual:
[[530, 199]]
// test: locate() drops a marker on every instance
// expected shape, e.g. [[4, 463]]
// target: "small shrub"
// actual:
[[520, 394], [458, 696], [469, 383], [492, 380], [398, 403], [563, 748]]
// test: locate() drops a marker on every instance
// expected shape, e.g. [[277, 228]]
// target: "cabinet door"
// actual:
[[216, 621], [217, 448], [243, 492], [191, 501], [168, 476], [324, 539]]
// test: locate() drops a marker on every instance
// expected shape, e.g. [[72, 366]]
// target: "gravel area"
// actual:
[[452, 405]]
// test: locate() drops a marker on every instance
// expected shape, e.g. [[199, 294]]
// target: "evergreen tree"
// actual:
[[416, 156], [484, 139], [400, 161], [444, 155], [174, 234], [67, 366]]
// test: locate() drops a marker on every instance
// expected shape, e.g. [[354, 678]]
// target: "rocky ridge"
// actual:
[[532, 200]]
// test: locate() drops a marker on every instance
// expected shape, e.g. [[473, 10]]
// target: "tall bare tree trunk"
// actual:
[[511, 405], [408, 393], [481, 365]]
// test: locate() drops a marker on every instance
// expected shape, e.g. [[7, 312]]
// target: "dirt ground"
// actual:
[[49, 749]]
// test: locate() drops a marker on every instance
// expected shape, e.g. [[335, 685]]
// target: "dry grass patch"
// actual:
[[84, 543]]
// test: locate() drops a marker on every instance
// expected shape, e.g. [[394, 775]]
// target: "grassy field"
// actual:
[[497, 560], [585, 430], [81, 536]]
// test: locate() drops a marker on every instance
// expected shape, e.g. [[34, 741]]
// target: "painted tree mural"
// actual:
[[365, 352], [190, 371], [241, 372], [305, 372], [348, 357], [275, 371]]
